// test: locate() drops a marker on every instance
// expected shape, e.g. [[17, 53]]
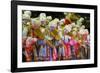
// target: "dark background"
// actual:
[[61, 15]]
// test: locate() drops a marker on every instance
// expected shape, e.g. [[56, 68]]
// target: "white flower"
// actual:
[[68, 28], [79, 22], [42, 15], [56, 20], [81, 19], [53, 23], [42, 18], [62, 21], [35, 21], [73, 24], [27, 12], [82, 27], [49, 18], [65, 13], [25, 16], [81, 31]]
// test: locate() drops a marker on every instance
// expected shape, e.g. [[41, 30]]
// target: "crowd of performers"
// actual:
[[53, 39]]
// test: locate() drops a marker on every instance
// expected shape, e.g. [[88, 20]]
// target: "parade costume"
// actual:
[[54, 54], [72, 44], [66, 39], [29, 48], [61, 51], [47, 38], [43, 52]]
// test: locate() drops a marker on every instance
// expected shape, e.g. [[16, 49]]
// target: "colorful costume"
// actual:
[[29, 48], [54, 54], [66, 40], [43, 52], [61, 51], [72, 44]]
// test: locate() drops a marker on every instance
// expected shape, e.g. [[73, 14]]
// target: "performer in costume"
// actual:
[[61, 52], [29, 48]]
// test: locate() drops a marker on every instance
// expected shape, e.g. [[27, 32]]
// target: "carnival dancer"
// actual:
[[29, 48]]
